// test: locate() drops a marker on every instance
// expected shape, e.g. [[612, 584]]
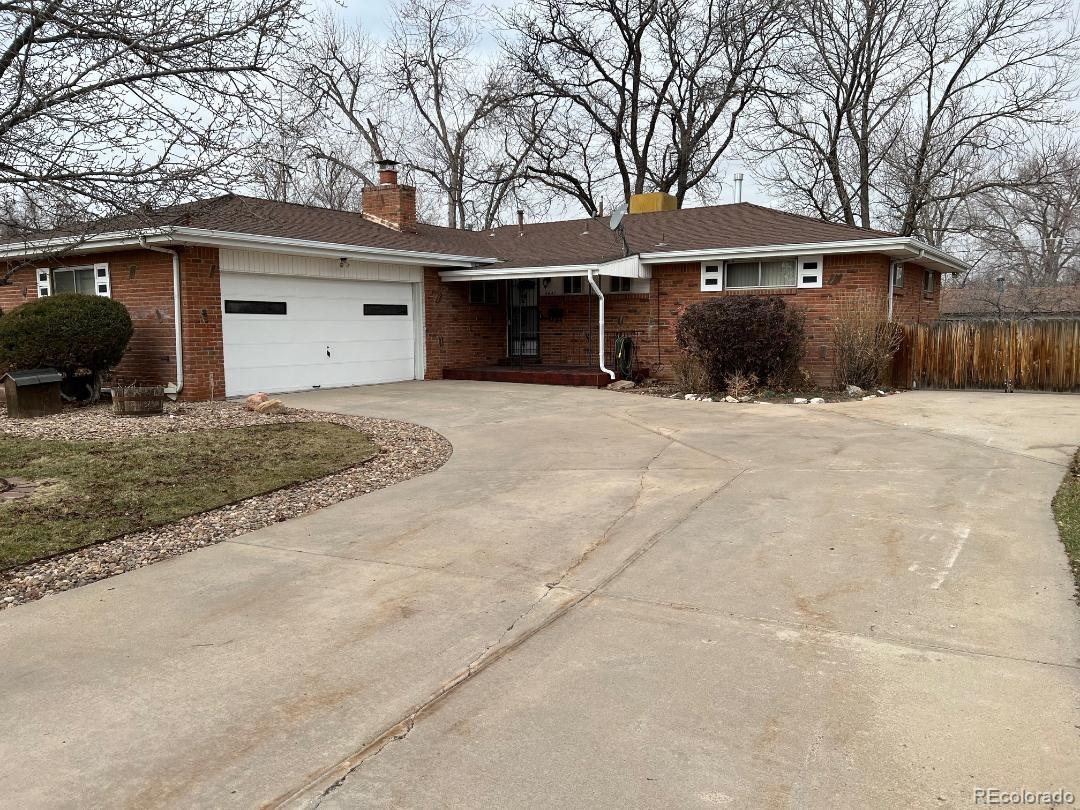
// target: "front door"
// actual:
[[523, 319]]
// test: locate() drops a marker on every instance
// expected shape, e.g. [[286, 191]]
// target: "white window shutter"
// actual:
[[102, 285], [811, 270], [712, 276], [44, 282]]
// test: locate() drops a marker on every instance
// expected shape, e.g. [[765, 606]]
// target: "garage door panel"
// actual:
[[315, 333], [289, 352]]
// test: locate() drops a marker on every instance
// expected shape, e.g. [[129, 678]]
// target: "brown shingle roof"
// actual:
[[577, 241]]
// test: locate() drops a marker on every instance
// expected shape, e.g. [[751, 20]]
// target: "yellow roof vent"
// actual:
[[651, 203]]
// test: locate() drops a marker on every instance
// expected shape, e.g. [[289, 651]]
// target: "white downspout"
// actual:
[[600, 295], [176, 387]]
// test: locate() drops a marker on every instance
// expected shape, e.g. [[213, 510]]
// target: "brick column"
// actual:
[[200, 295]]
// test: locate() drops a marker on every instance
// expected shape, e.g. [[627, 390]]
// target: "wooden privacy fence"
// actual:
[[1030, 355]]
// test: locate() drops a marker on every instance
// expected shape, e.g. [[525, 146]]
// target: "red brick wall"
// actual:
[[142, 281], [391, 204], [457, 333], [568, 325], [200, 296]]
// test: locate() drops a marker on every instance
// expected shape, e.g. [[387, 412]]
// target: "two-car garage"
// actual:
[[287, 326]]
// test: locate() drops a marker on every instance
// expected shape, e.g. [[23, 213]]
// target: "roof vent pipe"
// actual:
[[738, 187], [521, 222]]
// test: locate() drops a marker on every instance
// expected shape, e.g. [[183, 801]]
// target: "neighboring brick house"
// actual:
[[274, 296]]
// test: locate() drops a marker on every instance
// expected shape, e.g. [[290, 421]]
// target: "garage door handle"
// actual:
[[327, 351]]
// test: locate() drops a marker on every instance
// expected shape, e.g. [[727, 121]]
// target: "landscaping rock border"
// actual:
[[406, 451]]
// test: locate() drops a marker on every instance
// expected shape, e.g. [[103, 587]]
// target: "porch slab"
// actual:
[[536, 375]]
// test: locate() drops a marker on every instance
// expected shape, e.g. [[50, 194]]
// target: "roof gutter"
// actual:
[[905, 246], [239, 241]]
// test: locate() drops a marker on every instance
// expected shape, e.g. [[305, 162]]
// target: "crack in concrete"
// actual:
[[686, 607], [625, 417], [937, 434], [343, 769], [405, 726]]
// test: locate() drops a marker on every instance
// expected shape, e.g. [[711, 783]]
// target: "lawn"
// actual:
[[1067, 514], [105, 489]]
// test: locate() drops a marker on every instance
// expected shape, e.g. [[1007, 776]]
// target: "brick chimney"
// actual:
[[388, 203]]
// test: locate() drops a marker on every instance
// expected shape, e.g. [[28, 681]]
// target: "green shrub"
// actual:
[[79, 335], [746, 335]]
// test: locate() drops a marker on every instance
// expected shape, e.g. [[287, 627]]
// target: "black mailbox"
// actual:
[[34, 392]]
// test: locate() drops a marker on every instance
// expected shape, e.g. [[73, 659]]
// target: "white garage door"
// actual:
[[290, 334]]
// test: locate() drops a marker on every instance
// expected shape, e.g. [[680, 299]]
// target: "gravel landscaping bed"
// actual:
[[816, 396], [406, 451]]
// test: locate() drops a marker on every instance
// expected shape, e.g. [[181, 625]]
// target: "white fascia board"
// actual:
[[900, 247], [82, 244], [495, 273], [629, 267], [307, 247], [200, 236]]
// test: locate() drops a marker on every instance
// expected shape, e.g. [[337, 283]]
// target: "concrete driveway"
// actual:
[[601, 600]]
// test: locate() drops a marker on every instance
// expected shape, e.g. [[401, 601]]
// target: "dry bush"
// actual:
[[690, 374], [738, 384], [863, 341], [796, 379]]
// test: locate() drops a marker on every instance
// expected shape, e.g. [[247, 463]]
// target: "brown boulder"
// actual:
[[253, 402], [270, 406]]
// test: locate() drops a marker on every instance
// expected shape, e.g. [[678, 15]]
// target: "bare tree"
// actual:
[[457, 107], [339, 73], [425, 99], [848, 78], [1028, 232], [992, 70], [898, 110], [654, 87], [110, 106]]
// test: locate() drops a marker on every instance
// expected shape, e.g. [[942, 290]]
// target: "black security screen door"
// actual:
[[523, 319]]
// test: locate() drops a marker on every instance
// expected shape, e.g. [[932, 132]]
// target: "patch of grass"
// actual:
[[1067, 514], [105, 489]]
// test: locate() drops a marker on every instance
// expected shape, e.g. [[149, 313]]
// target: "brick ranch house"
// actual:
[[233, 294]]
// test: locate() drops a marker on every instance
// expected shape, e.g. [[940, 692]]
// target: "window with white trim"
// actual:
[[897, 275], [571, 285], [770, 273], [741, 275], [91, 279], [928, 282], [621, 284]]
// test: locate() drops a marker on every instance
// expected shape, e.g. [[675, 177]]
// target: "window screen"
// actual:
[[255, 307], [769, 273], [386, 309], [74, 280]]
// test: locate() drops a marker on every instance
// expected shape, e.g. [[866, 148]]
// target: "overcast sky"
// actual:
[[375, 16]]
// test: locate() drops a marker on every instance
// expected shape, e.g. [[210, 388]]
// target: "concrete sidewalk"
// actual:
[[603, 600]]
